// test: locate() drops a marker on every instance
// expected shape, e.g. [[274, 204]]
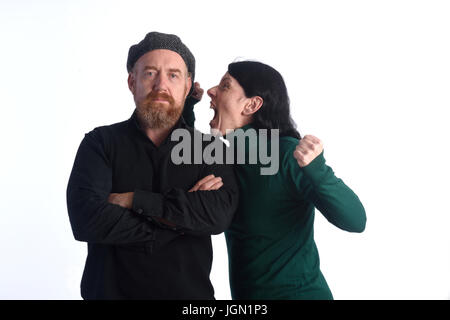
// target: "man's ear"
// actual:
[[189, 80], [254, 104], [132, 82]]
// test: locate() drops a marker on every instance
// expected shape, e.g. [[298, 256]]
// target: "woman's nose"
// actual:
[[212, 92]]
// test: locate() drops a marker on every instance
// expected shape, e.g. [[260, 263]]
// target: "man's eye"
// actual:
[[150, 73], [173, 75]]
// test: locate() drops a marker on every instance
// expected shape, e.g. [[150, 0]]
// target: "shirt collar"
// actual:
[[133, 121]]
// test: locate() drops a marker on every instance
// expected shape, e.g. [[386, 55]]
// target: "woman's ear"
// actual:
[[254, 104]]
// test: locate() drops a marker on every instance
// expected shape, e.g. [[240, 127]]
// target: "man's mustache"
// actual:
[[157, 95]]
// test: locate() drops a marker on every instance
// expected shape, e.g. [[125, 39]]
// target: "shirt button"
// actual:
[[140, 211]]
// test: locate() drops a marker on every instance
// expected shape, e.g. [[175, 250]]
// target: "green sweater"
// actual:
[[271, 248]]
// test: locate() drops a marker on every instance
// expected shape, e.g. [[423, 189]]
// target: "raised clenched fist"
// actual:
[[307, 150]]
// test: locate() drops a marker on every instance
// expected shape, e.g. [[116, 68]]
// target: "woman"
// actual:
[[271, 248]]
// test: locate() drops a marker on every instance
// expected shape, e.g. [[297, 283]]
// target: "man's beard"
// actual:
[[157, 115]]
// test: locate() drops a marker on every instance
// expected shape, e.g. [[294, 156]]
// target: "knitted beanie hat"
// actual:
[[157, 40]]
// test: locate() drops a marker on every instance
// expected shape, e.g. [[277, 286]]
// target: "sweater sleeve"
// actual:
[[317, 183]]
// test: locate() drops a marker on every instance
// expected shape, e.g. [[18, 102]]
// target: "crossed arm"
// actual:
[[125, 200], [98, 216]]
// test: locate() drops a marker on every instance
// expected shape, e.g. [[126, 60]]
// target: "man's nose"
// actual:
[[160, 83]]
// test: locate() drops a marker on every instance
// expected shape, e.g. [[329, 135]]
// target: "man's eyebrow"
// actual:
[[175, 70], [156, 69], [226, 78]]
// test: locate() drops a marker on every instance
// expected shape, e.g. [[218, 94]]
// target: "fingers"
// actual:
[[208, 183], [307, 144], [205, 179], [312, 138], [302, 150], [311, 143], [308, 148], [198, 91], [299, 155], [112, 197], [216, 186], [302, 159], [200, 182]]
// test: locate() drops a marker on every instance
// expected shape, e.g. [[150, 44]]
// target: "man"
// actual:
[[148, 232]]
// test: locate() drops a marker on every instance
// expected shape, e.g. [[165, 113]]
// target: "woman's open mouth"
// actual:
[[214, 123]]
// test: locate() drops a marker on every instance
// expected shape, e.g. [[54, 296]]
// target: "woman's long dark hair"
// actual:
[[259, 79]]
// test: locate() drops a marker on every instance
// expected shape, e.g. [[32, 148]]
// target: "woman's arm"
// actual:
[[317, 183]]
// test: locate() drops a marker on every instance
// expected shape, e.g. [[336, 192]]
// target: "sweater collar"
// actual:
[[247, 126]]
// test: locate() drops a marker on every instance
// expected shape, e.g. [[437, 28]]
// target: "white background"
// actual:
[[369, 78]]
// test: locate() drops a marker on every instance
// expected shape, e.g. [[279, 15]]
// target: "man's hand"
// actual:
[[122, 199], [307, 150], [198, 91], [208, 183]]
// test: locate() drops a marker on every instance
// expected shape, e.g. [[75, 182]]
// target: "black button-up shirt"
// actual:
[[130, 254]]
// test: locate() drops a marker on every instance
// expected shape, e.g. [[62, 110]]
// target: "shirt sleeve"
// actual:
[[92, 217], [188, 111], [317, 183], [194, 213]]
